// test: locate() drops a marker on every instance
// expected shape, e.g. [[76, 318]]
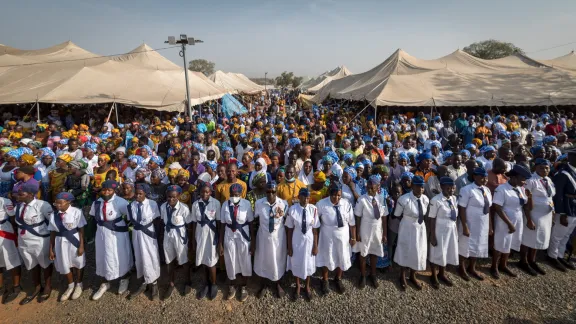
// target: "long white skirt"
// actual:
[[334, 248], [9, 257], [371, 235], [476, 245], [412, 246], [539, 238], [67, 255], [503, 240], [446, 249], [302, 263], [270, 258], [237, 254], [174, 248], [206, 251], [113, 253], [147, 257]]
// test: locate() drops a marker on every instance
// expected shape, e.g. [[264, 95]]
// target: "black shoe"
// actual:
[[373, 281], [243, 294], [213, 292], [261, 291], [45, 296], [536, 267], [495, 273], [446, 280], [279, 291], [339, 285], [362, 282], [202, 293], [231, 292], [308, 294], [10, 295], [556, 264], [507, 271], [324, 288], [137, 293], [30, 298], [527, 268], [567, 264], [155, 294], [434, 283], [169, 292]]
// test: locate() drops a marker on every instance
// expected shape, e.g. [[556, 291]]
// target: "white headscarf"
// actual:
[[306, 179], [262, 171]]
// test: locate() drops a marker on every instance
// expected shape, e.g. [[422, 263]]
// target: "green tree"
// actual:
[[492, 49], [201, 65], [296, 81]]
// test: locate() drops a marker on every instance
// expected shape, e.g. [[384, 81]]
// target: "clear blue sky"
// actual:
[[304, 36]]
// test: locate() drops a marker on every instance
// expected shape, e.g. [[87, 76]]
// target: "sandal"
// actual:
[[30, 298]]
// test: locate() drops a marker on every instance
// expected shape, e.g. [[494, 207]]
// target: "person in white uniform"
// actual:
[[67, 244], [32, 217], [511, 202], [338, 232], [205, 217], [113, 251], [270, 254], [371, 222], [538, 227], [236, 243], [412, 246], [177, 222], [9, 257], [302, 223], [565, 216], [144, 215], [474, 204], [443, 232]]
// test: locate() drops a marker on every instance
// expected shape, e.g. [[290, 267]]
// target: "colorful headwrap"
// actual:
[[212, 165], [407, 174], [536, 149], [28, 159], [136, 158], [157, 159], [549, 139], [159, 173], [66, 158], [351, 171], [104, 157], [375, 179], [465, 153], [359, 165], [334, 156], [403, 156], [91, 146], [25, 150], [14, 154], [183, 173], [327, 159], [147, 149], [319, 176]]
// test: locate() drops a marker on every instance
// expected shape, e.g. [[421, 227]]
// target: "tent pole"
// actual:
[[363, 109], [37, 111], [116, 110], [110, 112]]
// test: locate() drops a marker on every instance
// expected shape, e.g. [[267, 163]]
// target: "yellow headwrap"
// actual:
[[28, 159], [104, 157], [66, 158]]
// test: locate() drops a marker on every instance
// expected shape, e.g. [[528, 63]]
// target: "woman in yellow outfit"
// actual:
[[57, 177]]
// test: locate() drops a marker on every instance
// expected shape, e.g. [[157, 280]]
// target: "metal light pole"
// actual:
[[184, 40], [265, 84]]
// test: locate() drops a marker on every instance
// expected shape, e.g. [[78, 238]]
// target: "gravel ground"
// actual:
[[542, 299]]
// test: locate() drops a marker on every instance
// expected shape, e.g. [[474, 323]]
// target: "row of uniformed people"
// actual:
[[305, 246]]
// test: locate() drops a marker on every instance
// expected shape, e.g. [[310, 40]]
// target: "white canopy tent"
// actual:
[[315, 84], [68, 74], [459, 79], [235, 82]]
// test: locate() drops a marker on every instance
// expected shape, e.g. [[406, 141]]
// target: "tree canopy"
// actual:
[[288, 79], [492, 49], [202, 65]]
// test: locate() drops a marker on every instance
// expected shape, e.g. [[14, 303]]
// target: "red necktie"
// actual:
[[22, 216], [104, 210], [235, 219], [61, 216]]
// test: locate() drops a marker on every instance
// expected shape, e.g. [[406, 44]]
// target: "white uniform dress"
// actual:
[[334, 242], [506, 197], [176, 238], [33, 235], [412, 246], [541, 213], [113, 250], [370, 231], [206, 231], [472, 198], [237, 242], [66, 250], [144, 239], [446, 249], [9, 257], [302, 263], [270, 256]]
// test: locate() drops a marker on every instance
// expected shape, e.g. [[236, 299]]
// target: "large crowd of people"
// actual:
[[279, 192]]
